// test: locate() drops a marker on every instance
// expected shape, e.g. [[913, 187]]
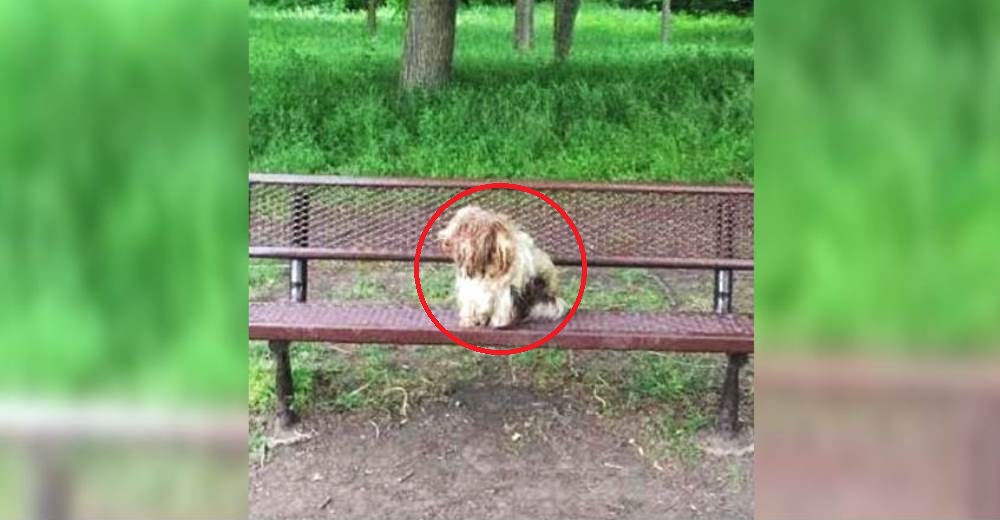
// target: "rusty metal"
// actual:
[[728, 419], [369, 323], [621, 225], [283, 386], [599, 261], [423, 182], [298, 273]]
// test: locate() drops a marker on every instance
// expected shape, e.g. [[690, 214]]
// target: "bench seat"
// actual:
[[372, 323]]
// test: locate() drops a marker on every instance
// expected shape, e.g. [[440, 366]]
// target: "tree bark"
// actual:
[[524, 25], [562, 34], [372, 17], [429, 45], [665, 22]]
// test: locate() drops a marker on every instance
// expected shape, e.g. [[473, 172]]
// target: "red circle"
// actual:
[[420, 246]]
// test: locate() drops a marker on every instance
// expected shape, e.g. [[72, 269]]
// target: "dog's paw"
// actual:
[[473, 321], [498, 322]]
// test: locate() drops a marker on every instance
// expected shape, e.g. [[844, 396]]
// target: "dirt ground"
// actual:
[[491, 451]]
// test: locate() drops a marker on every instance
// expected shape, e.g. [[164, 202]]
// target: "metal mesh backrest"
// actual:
[[656, 226]]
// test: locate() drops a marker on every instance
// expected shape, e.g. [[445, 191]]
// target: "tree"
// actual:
[[429, 45], [665, 22], [372, 17], [524, 25], [563, 21]]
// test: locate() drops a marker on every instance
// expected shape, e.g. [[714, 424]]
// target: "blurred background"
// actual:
[[878, 286], [122, 267]]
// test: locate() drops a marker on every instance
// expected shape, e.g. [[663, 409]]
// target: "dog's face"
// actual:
[[479, 241]]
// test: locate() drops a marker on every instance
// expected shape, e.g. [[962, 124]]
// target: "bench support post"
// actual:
[[298, 289], [298, 280], [284, 391], [52, 491], [728, 421], [723, 291]]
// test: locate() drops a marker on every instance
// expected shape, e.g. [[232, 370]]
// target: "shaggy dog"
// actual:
[[502, 277]]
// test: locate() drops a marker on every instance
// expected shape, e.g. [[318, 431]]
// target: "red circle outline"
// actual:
[[420, 246]]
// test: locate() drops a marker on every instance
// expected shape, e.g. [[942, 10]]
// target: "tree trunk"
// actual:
[[372, 17], [562, 34], [429, 44], [665, 22], [524, 25]]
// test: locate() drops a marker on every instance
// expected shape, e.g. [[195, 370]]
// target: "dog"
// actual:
[[502, 277]]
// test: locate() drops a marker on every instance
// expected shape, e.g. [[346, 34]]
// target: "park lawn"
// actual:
[[323, 98]]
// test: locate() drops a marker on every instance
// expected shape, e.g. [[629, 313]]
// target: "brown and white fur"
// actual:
[[502, 277]]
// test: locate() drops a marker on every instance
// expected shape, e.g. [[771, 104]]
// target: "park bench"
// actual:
[[309, 217]]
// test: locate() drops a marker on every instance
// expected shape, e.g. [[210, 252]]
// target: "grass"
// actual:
[[264, 273], [625, 289], [323, 97]]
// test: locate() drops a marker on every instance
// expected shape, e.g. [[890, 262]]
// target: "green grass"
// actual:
[[323, 97], [264, 273], [635, 290], [438, 283]]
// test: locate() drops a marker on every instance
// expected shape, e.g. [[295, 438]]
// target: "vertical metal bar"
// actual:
[[298, 280], [283, 384], [299, 268], [298, 288], [723, 291], [728, 420], [51, 500], [725, 235]]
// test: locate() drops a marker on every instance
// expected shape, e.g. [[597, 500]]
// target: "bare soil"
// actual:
[[491, 451]]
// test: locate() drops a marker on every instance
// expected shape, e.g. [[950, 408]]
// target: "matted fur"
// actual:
[[501, 277]]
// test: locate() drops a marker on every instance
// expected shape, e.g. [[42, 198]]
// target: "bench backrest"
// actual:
[[639, 225]]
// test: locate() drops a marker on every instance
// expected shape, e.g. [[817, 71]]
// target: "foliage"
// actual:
[[323, 97], [742, 7]]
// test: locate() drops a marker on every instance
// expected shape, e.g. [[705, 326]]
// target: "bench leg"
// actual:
[[52, 493], [729, 405], [284, 391]]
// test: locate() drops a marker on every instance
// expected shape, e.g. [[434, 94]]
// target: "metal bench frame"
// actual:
[[299, 252]]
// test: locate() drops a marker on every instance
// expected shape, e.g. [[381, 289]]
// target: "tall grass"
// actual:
[[323, 97]]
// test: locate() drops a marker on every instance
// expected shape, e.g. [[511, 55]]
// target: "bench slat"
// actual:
[[319, 253], [608, 330]]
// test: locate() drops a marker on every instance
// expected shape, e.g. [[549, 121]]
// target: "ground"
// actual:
[[442, 432], [491, 451]]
